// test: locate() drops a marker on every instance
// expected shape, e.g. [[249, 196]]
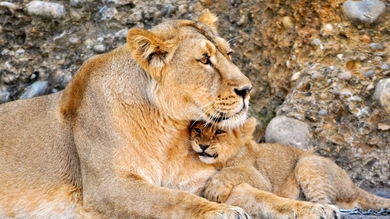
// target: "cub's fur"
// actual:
[[285, 171]]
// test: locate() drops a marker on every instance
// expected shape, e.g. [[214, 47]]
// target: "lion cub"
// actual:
[[285, 171]]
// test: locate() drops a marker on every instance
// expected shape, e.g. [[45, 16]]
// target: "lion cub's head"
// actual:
[[216, 145]]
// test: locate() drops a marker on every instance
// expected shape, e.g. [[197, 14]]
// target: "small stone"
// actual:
[[327, 30], [323, 112], [383, 127], [385, 67], [11, 7], [5, 95], [77, 3], [382, 94], [243, 20], [99, 48], [317, 75], [74, 40], [122, 34], [20, 51], [316, 42], [36, 89], [375, 46], [345, 75], [366, 38], [369, 73], [47, 10], [287, 22], [365, 11], [288, 131]]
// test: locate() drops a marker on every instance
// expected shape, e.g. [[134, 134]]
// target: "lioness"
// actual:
[[286, 171], [114, 143]]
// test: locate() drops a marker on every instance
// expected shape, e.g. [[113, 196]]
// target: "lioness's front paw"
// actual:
[[227, 212]]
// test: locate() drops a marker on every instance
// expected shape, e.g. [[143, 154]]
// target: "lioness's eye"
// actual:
[[219, 131], [205, 59], [197, 130]]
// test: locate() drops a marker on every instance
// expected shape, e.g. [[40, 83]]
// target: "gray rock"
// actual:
[[36, 89], [99, 48], [375, 46], [382, 94], [46, 9], [345, 75], [77, 3], [288, 131], [5, 94], [365, 11]]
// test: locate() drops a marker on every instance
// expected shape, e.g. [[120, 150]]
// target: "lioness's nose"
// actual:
[[243, 92]]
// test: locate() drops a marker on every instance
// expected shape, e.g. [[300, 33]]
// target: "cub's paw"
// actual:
[[217, 190], [227, 212], [313, 211]]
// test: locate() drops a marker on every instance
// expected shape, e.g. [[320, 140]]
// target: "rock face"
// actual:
[[313, 61]]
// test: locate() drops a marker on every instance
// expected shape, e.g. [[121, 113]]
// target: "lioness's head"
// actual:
[[214, 144], [192, 76]]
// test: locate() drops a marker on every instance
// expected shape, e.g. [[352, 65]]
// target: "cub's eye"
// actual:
[[219, 131], [197, 130], [205, 59]]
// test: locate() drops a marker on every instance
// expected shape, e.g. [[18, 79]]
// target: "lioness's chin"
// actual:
[[233, 121]]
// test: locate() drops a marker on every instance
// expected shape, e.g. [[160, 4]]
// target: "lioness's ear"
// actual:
[[249, 127], [148, 50], [209, 19]]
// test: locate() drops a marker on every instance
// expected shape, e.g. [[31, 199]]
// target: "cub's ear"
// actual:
[[249, 127], [148, 50], [209, 19]]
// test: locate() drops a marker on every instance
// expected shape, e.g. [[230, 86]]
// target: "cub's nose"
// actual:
[[243, 92], [204, 146]]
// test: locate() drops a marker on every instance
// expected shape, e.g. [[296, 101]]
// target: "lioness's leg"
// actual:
[[261, 204], [133, 197]]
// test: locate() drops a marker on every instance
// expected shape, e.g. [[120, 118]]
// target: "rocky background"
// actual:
[[319, 68]]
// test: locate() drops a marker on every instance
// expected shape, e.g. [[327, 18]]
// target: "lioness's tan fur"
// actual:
[[285, 171], [114, 143]]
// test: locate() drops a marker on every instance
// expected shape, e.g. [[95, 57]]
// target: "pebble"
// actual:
[[121, 34], [323, 112], [385, 67], [46, 9], [287, 22], [382, 94], [288, 131], [77, 3], [369, 73], [5, 94], [11, 7], [345, 75], [74, 40], [365, 11], [375, 46], [317, 75], [99, 48], [36, 89]]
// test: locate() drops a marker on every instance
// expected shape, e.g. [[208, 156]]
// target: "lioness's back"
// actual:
[[43, 158]]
